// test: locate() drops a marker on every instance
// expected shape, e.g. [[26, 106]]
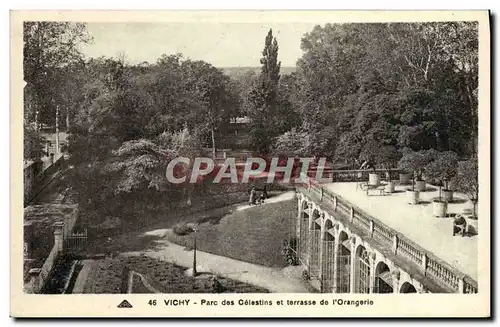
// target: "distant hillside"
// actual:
[[237, 71]]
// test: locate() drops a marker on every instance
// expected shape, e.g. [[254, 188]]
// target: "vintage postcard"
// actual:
[[250, 164]]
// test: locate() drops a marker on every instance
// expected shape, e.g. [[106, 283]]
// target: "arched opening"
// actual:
[[304, 233], [362, 270], [383, 279], [315, 245], [328, 260], [343, 264], [407, 288]]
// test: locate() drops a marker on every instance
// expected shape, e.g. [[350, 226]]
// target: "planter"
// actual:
[[448, 195], [404, 179], [374, 179], [413, 196], [439, 208], [389, 187], [420, 186]]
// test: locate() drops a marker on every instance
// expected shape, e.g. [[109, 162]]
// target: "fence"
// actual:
[[75, 242], [428, 263], [361, 175]]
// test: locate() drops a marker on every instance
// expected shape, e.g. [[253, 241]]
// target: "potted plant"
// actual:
[[368, 156], [466, 181], [410, 163], [442, 169], [388, 157], [415, 162]]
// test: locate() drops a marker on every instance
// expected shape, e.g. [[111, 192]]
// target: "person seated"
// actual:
[[264, 193], [459, 225], [261, 198]]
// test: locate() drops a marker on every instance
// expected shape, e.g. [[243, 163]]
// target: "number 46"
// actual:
[[152, 302]]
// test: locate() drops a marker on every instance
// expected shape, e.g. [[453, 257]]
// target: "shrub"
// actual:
[[182, 229]]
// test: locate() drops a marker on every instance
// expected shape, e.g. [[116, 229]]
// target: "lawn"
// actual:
[[253, 235], [110, 275]]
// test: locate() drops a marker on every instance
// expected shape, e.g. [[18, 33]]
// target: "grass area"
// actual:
[[138, 286], [108, 276], [254, 235]]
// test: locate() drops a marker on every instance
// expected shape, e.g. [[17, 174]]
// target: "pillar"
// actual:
[[320, 261], [372, 271], [424, 263], [353, 265], [297, 226], [35, 280], [396, 275], [58, 235], [395, 244], [461, 288], [336, 260]]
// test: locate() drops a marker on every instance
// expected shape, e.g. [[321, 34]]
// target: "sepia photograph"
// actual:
[[181, 157]]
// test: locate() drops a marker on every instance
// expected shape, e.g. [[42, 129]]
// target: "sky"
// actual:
[[221, 44]]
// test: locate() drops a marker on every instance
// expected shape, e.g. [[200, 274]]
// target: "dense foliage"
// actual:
[[377, 92]]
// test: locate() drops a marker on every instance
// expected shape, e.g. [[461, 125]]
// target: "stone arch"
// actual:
[[407, 288], [362, 270], [328, 230], [383, 278], [343, 263]]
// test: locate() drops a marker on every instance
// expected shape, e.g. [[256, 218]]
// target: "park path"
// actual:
[[274, 199], [279, 280], [275, 280], [82, 277]]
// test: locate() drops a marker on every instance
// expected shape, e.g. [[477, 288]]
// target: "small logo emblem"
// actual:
[[125, 304]]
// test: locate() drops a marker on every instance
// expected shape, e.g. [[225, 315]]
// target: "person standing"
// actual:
[[252, 198]]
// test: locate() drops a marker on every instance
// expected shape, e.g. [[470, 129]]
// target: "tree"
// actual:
[[142, 163], [33, 143], [212, 89], [466, 181], [442, 169], [415, 163], [49, 47], [263, 97], [291, 144]]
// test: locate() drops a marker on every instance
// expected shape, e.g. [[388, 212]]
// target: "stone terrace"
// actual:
[[417, 223]]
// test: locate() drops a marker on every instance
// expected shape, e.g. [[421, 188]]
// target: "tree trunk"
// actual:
[[213, 143], [67, 120], [57, 129]]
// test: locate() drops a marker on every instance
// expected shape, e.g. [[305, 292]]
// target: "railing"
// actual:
[[429, 264], [361, 175]]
